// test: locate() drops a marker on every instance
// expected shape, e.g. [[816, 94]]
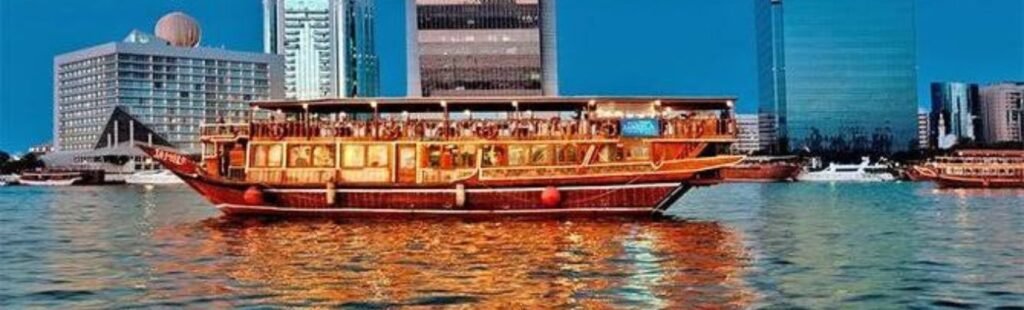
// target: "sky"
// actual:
[[606, 47]]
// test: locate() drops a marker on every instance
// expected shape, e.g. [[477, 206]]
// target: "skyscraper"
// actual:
[[165, 81], [481, 47], [955, 108], [848, 73], [328, 46], [1002, 112]]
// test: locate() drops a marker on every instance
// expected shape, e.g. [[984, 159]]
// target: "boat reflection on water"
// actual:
[[655, 263]]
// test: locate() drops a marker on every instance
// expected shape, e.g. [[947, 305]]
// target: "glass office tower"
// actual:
[[481, 48], [328, 46], [849, 74], [954, 113]]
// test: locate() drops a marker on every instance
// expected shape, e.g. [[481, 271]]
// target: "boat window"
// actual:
[[610, 153], [846, 169], [209, 149], [568, 154], [323, 156], [377, 156], [466, 156], [354, 156], [605, 154], [434, 153], [494, 155], [300, 155], [517, 155], [640, 152], [540, 155], [407, 157], [266, 156]]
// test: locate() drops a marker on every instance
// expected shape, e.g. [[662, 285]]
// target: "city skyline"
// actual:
[[716, 62]]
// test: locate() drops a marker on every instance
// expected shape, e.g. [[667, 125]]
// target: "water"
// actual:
[[867, 246]]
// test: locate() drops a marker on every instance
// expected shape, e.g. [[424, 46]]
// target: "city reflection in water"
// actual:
[[799, 245], [590, 263]]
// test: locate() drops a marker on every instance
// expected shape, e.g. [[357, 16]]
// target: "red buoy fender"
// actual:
[[253, 196], [550, 197]]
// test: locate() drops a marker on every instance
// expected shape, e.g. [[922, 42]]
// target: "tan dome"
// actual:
[[179, 29]]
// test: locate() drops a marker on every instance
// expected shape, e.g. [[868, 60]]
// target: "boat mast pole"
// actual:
[[444, 104], [305, 119], [376, 116]]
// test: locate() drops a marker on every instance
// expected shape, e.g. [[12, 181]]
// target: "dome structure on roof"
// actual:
[[178, 29]]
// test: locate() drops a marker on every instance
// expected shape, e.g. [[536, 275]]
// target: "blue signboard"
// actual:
[[640, 127]]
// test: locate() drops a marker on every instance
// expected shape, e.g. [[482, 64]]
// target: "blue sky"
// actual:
[[666, 47]]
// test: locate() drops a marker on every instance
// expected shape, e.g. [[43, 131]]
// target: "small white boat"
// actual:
[[2, 183], [153, 177], [48, 178], [9, 179], [863, 172]]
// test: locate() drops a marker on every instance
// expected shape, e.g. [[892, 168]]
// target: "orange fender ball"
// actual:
[[253, 196], [550, 197]]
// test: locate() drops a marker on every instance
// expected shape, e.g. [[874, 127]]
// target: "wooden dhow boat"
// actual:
[[491, 156], [978, 169]]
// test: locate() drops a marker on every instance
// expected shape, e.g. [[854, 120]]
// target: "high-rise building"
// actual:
[[756, 133], [1002, 112], [771, 75], [748, 135], [768, 132], [955, 106], [847, 76], [481, 48], [164, 81], [328, 46], [924, 130]]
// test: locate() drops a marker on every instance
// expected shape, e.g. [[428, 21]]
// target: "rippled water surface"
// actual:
[[732, 246]]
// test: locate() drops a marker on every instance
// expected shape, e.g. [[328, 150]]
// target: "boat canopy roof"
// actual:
[[488, 104]]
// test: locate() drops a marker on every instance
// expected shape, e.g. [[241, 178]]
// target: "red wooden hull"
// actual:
[[947, 181], [761, 173], [626, 195]]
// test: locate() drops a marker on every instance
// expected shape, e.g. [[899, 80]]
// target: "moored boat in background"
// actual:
[[980, 169], [50, 178], [410, 156], [9, 179], [863, 172], [763, 169]]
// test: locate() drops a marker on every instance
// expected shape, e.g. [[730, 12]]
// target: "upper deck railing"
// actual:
[[528, 129]]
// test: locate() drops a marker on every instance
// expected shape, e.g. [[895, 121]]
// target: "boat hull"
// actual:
[[631, 199], [49, 183], [947, 181], [618, 194], [761, 173], [921, 173]]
